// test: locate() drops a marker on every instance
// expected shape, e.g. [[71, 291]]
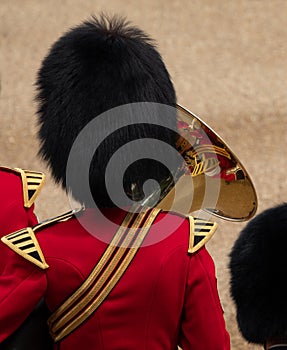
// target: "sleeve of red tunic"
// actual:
[[16, 218], [13, 214], [22, 285], [203, 324]]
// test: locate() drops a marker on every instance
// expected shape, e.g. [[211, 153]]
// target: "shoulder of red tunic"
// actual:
[[200, 230], [31, 182], [24, 242]]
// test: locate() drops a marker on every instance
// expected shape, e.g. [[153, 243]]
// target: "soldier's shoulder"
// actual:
[[24, 242], [9, 174], [31, 182], [200, 230]]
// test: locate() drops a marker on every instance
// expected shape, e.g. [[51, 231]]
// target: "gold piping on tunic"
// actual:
[[104, 276], [90, 279]]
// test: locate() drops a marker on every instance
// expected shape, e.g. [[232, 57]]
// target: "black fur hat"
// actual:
[[258, 267], [97, 65]]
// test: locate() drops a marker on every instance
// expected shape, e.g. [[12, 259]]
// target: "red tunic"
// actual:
[[13, 214], [165, 298]]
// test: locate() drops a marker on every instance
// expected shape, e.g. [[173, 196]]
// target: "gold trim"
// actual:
[[29, 232], [22, 236], [18, 248], [191, 233], [108, 252], [34, 184], [195, 225], [6, 168], [110, 249], [111, 273]]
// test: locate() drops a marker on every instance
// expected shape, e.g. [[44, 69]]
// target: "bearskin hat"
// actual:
[[100, 64], [258, 268]]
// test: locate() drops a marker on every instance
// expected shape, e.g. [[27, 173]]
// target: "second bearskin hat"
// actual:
[[258, 268]]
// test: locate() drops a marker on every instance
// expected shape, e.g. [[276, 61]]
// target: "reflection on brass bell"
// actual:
[[211, 177]]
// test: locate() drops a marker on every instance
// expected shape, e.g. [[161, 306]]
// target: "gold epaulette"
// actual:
[[25, 243], [32, 182], [200, 232]]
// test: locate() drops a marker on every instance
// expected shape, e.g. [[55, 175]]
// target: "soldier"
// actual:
[[257, 266], [19, 189], [119, 295]]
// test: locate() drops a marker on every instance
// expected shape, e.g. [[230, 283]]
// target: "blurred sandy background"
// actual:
[[227, 60]]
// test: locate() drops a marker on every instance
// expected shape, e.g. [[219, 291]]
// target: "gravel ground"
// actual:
[[227, 60]]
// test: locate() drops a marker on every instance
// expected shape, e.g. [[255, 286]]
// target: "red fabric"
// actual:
[[13, 214], [21, 286], [165, 298]]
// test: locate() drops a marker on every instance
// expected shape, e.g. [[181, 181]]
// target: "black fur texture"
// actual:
[[258, 266], [100, 64]]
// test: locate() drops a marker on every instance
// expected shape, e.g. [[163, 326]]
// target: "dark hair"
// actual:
[[258, 268], [96, 66]]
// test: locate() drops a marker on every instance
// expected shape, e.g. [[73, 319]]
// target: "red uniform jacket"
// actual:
[[16, 211], [165, 298]]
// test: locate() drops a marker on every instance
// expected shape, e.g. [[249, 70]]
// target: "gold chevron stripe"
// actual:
[[31, 181], [199, 228], [24, 244], [61, 327], [30, 250], [12, 239], [25, 235]]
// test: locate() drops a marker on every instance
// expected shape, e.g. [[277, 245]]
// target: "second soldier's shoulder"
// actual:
[[18, 181], [26, 243]]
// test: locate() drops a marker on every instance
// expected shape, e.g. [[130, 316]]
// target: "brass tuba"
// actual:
[[211, 177]]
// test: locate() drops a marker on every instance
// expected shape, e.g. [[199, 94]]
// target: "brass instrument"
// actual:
[[211, 178]]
